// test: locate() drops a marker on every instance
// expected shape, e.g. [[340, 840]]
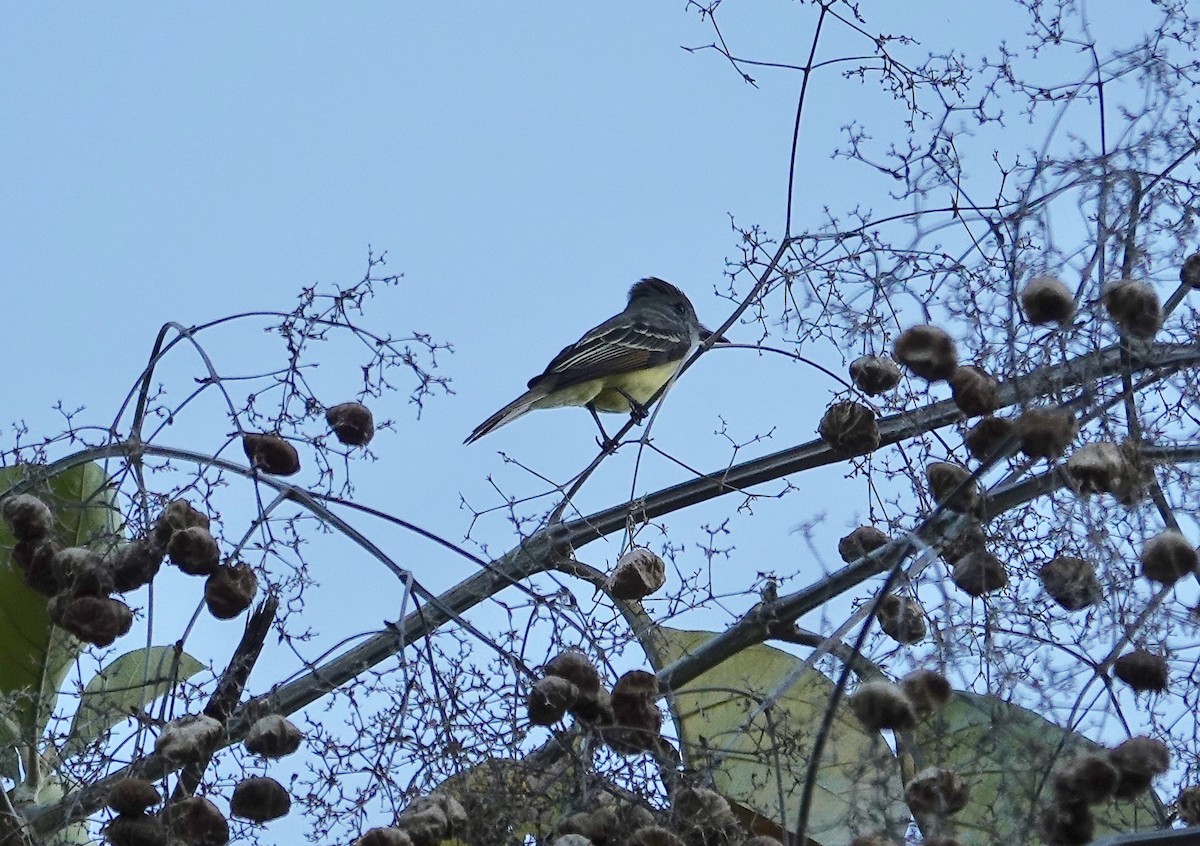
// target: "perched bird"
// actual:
[[620, 364]]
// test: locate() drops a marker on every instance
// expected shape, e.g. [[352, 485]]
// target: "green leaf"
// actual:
[[34, 655], [1006, 753], [762, 763], [124, 686]]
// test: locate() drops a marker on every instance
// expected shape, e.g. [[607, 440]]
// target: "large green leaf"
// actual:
[[124, 686], [762, 763], [34, 655], [1006, 753]]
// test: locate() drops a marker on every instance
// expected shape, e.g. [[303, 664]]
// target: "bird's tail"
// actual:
[[508, 414]]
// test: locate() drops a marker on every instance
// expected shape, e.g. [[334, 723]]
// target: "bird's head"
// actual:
[[658, 293]]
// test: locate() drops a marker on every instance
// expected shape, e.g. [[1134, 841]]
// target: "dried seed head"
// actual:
[[704, 817], [969, 538], [636, 718], [1189, 271], [197, 822], [273, 736], [549, 700], [849, 428], [230, 590], [194, 551], [271, 454], [1168, 557], [135, 829], [593, 707], [35, 561], [1188, 803], [1089, 779], [259, 799], [874, 374], [927, 351], [975, 392], [927, 690], [1046, 432], [978, 573], [384, 837], [1106, 468], [882, 705], [861, 541], [189, 739], [132, 796], [986, 436], [1138, 760], [638, 573], [352, 423], [28, 518], [1071, 582], [1046, 299], [98, 620], [952, 487], [1134, 307], [135, 564], [654, 835], [575, 667], [1142, 670], [80, 572], [179, 514], [936, 790], [901, 618], [1067, 825]]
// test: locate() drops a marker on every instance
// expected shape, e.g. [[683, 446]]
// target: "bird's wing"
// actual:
[[616, 346]]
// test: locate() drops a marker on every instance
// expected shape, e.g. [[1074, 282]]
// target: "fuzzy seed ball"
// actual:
[[874, 374], [194, 551], [978, 573], [636, 718], [849, 428], [1188, 803], [927, 690], [594, 708], [1133, 305], [98, 620], [1046, 299], [1168, 557], [230, 590], [1046, 432], [35, 560], [1189, 271], [952, 487], [901, 618], [260, 799], [975, 392], [135, 564], [197, 821], [638, 573], [1138, 760], [352, 423], [1067, 825], [936, 790], [81, 572], [882, 705], [273, 736], [1089, 778], [549, 699], [987, 436], [189, 739], [576, 668], [927, 351], [271, 454], [179, 514], [132, 796], [860, 542], [28, 518], [1142, 670], [135, 829], [1071, 582]]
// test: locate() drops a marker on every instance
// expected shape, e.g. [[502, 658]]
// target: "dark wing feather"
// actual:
[[615, 346]]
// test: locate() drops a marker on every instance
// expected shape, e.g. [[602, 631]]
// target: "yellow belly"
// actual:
[[605, 393]]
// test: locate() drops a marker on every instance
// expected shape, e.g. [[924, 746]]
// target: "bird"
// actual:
[[620, 364]]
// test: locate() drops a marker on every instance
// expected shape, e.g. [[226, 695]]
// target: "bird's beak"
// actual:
[[705, 334]]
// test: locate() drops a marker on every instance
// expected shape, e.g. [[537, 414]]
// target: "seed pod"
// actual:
[[28, 518], [901, 618], [230, 590], [654, 835], [882, 705], [549, 699], [271, 454], [636, 718], [986, 436], [703, 816], [874, 374], [1138, 760], [81, 572], [259, 799], [1168, 557], [970, 538], [178, 515], [135, 564], [35, 561], [594, 708], [861, 541], [575, 667], [132, 796], [1134, 307], [935, 790], [1089, 778], [952, 487], [1189, 272], [1067, 825], [1046, 432], [135, 829], [1100, 468], [194, 551], [1188, 802], [1047, 300], [352, 423], [927, 351], [273, 736], [850, 428], [384, 837], [927, 690], [189, 739], [975, 392], [98, 620], [638, 573], [1142, 670], [197, 822], [978, 573], [1071, 582]]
